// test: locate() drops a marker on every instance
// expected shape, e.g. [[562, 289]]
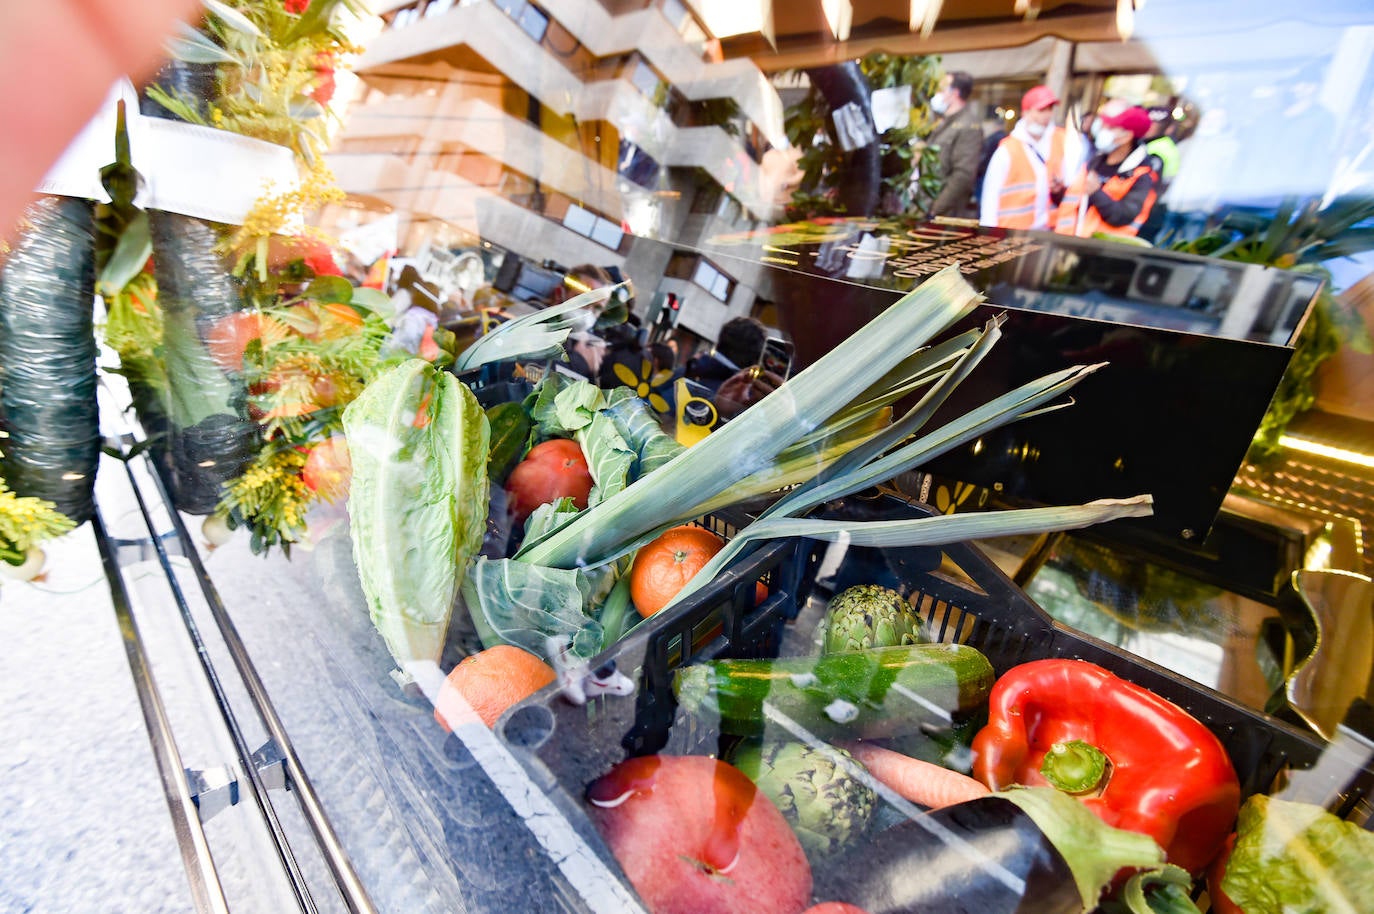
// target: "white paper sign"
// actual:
[[187, 169], [891, 108], [207, 173], [852, 127], [372, 240]]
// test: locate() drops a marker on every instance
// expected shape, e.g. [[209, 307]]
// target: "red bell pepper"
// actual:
[[1139, 762]]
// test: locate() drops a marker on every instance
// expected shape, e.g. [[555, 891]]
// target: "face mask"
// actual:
[[582, 320], [938, 103], [1104, 138], [1035, 130]]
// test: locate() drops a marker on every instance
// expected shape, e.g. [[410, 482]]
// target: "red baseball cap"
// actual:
[[1135, 119], [1038, 97]]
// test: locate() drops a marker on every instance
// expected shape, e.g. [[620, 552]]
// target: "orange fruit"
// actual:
[[662, 567], [490, 681]]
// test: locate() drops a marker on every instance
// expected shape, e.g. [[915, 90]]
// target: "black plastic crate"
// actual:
[[963, 597]]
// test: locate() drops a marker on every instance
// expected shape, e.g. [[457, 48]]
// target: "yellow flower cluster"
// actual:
[[275, 212], [273, 495], [24, 521]]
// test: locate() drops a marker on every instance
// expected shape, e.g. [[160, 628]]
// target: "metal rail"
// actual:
[[256, 788], [206, 890], [350, 887]]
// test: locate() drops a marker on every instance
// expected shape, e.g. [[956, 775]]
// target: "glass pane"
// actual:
[[442, 321]]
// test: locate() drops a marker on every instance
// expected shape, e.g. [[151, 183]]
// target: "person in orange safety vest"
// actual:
[[1031, 168], [1117, 189]]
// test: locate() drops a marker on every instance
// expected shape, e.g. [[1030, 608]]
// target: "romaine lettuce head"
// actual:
[[417, 505]]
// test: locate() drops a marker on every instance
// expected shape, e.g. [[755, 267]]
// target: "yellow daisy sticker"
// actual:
[[645, 383]]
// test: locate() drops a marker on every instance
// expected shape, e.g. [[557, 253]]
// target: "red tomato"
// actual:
[[328, 469], [550, 471]]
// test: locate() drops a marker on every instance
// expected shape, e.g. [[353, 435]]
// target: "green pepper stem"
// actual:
[[1074, 766]]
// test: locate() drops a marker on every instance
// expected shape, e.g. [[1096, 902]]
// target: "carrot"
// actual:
[[921, 782]]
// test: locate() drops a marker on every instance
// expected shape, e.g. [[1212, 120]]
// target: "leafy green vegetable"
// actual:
[[516, 603], [1292, 857], [418, 501], [577, 409], [1094, 851], [578, 412], [1161, 891], [542, 332], [641, 431], [541, 404], [510, 432], [535, 604]]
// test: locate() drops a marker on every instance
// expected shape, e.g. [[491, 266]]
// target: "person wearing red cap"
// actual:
[[1118, 187], [1028, 174]]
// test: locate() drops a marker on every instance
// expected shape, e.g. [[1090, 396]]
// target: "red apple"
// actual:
[[834, 907], [695, 836]]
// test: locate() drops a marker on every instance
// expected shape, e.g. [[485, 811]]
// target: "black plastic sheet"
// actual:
[[47, 358], [209, 439]]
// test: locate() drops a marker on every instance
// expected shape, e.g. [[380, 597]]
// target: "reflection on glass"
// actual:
[[1199, 630]]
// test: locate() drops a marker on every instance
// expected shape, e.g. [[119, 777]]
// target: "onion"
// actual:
[[216, 530], [34, 560]]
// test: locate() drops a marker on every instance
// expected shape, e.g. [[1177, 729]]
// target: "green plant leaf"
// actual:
[[373, 300], [333, 289], [199, 51], [522, 604], [131, 253], [233, 18]]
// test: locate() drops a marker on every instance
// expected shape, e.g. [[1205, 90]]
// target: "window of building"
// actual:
[[674, 11], [702, 272], [532, 20], [590, 225], [712, 279], [582, 221], [645, 79]]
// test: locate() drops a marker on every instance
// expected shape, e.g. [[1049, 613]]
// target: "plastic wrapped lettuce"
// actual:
[[418, 502], [1292, 857]]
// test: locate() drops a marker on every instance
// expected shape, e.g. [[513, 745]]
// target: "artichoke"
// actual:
[[867, 616], [826, 806]]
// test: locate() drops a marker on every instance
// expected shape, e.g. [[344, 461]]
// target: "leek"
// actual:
[[923, 531], [749, 444], [540, 333], [828, 432]]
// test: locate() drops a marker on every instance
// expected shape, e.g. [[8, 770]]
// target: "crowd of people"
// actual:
[[625, 354], [1106, 179]]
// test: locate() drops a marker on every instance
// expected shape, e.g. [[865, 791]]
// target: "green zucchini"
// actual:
[[510, 433], [872, 694]]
